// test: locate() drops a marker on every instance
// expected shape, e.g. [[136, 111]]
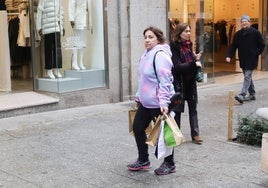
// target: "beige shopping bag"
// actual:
[[153, 136], [131, 116]]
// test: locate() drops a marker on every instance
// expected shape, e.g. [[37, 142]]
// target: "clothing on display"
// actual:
[[19, 33], [13, 5], [24, 26], [78, 51], [80, 18], [2, 5], [52, 29]]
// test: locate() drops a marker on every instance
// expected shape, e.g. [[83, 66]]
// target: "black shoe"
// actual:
[[165, 169], [240, 98], [252, 97]]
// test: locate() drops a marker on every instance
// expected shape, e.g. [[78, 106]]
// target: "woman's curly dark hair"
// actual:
[[158, 33]]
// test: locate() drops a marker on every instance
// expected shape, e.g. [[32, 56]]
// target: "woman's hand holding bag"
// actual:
[[199, 72]]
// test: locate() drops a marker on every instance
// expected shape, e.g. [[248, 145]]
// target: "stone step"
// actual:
[[15, 104]]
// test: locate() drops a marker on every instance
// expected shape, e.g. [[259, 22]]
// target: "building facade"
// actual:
[[86, 52]]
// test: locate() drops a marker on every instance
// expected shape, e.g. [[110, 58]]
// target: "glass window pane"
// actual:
[[199, 14], [70, 45]]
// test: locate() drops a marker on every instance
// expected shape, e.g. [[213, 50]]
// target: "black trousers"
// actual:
[[192, 109], [193, 117], [141, 121], [53, 54]]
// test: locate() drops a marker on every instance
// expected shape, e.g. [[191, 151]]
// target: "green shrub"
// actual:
[[250, 130]]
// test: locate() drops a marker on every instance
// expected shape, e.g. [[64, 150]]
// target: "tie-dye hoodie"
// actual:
[[155, 92]]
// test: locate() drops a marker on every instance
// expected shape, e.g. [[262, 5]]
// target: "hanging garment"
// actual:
[[24, 29], [19, 55], [2, 5]]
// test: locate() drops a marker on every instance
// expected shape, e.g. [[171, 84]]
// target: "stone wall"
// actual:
[[126, 23]]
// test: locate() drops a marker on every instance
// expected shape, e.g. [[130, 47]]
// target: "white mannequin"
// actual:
[[80, 19], [78, 53], [50, 74], [51, 33]]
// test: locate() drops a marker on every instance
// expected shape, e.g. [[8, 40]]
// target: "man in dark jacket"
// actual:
[[250, 45]]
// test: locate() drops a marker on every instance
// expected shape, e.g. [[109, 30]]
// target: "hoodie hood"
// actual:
[[164, 47]]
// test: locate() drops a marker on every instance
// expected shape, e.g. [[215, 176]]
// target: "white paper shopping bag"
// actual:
[[162, 150]]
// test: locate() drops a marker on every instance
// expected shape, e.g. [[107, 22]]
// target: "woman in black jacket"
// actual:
[[185, 63]]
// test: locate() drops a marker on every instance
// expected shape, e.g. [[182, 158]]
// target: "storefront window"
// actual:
[[199, 14], [214, 23], [69, 45]]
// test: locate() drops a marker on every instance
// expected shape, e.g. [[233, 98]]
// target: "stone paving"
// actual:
[[90, 147]]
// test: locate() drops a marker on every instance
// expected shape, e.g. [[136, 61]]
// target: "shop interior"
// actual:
[[20, 50], [221, 21], [227, 14]]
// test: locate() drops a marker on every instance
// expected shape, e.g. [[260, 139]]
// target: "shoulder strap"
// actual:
[[154, 63]]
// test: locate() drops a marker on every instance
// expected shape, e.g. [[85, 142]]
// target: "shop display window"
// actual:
[[68, 53]]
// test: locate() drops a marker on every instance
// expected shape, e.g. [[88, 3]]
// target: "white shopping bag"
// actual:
[[162, 150]]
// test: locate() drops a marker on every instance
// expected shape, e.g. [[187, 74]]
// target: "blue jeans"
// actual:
[[248, 85]]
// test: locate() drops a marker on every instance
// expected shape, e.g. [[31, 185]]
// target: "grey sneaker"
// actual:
[[165, 169], [138, 165], [240, 98]]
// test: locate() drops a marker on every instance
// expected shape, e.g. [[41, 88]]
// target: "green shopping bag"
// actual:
[[172, 134]]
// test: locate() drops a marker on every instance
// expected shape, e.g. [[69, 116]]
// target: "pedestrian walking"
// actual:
[[155, 89], [250, 45], [186, 63]]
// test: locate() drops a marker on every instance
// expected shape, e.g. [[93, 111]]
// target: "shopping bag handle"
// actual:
[[165, 116]]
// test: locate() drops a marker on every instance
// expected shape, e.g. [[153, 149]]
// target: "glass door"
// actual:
[[199, 14]]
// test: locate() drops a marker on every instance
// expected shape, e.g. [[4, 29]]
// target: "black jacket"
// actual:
[[184, 74], [250, 45], [2, 5]]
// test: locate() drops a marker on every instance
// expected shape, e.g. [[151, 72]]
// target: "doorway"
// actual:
[[18, 16], [227, 15]]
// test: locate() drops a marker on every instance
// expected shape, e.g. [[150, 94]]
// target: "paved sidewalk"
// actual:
[[90, 147]]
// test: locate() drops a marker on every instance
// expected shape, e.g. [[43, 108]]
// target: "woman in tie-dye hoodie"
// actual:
[[155, 89]]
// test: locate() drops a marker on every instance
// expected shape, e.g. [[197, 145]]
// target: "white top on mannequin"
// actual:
[[80, 14], [49, 14]]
